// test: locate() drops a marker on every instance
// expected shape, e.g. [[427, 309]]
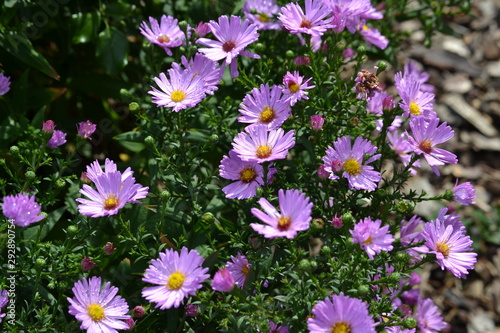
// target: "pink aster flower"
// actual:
[[180, 90], [114, 190], [239, 268], [427, 134], [207, 69], [317, 122], [340, 313], [295, 215], [223, 280], [352, 160], [450, 245], [4, 299], [233, 36], [58, 139], [373, 37], [414, 101], [371, 237], [166, 34], [87, 264], [22, 208], [99, 309], [295, 87], [248, 176], [464, 193], [86, 129], [48, 126], [202, 29], [403, 149], [313, 21], [260, 145], [429, 320], [262, 13], [274, 328], [265, 105], [4, 84], [176, 275]]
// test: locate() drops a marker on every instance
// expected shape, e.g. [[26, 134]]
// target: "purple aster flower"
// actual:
[[411, 70], [114, 190], [373, 37], [464, 193], [207, 69], [58, 139], [22, 208], [360, 175], [86, 129], [262, 13], [99, 310], [166, 34], [239, 268], [180, 90], [403, 149], [265, 106], [233, 36], [4, 84], [295, 215], [249, 176], [274, 328], [411, 296], [450, 245], [317, 122], [295, 87], [399, 329], [202, 29], [429, 320], [414, 101], [427, 134], [4, 299], [349, 13], [313, 22], [223, 280], [340, 313], [375, 103], [260, 145], [177, 276], [371, 237]]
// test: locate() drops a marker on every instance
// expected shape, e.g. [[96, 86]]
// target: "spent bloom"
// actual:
[[165, 33], [265, 105], [248, 176], [180, 90], [313, 21], [239, 268], [176, 275], [223, 280], [295, 87], [207, 69], [86, 129], [99, 309], [233, 36], [427, 134], [429, 320], [260, 145], [340, 313], [372, 237], [262, 13], [367, 84], [294, 215], [352, 160], [464, 193], [58, 139], [22, 208], [4, 84], [114, 190], [446, 238]]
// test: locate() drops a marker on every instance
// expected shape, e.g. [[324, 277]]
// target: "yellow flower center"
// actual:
[[263, 151], [111, 202], [263, 18], [248, 175], [425, 146], [365, 27], [352, 167], [175, 281], [267, 115], [95, 312], [368, 240], [293, 87], [340, 327], [443, 249], [305, 24], [163, 38], [177, 96], [414, 109], [245, 270], [284, 223]]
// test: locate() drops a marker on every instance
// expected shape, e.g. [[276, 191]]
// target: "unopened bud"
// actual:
[[134, 106], [30, 175]]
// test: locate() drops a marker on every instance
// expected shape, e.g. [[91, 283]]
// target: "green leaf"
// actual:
[[132, 136], [112, 50], [20, 47], [84, 27]]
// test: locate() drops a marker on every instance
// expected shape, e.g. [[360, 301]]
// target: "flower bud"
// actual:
[[363, 290], [14, 150], [317, 122], [72, 230], [60, 183], [109, 248], [134, 106], [322, 173], [318, 223], [164, 195], [347, 218], [138, 311], [214, 138], [259, 47], [40, 263], [126, 93], [191, 310], [381, 66], [183, 25], [404, 207], [305, 265], [48, 126], [87, 264], [290, 54], [30, 175], [410, 322], [149, 140], [361, 49], [208, 218]]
